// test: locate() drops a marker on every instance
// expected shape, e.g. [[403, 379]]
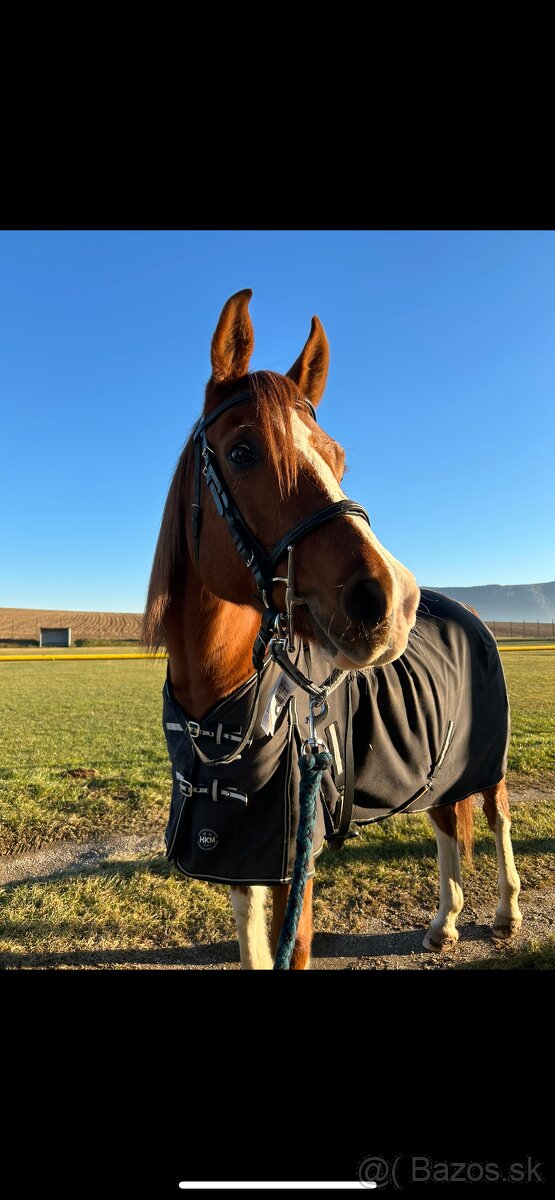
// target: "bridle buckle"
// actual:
[[291, 600]]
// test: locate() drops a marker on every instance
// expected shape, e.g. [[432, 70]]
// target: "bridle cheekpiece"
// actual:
[[277, 628]]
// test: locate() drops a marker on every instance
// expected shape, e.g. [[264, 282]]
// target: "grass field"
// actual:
[[531, 686], [83, 753], [141, 909], [61, 719]]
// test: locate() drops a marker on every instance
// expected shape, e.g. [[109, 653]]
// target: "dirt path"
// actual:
[[388, 945], [74, 856], [385, 944]]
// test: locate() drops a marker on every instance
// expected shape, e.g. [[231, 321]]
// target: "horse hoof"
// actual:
[[507, 929], [446, 943]]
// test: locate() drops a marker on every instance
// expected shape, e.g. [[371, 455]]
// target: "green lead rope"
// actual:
[[311, 767]]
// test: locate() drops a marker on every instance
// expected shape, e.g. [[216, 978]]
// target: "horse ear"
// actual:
[[233, 341], [310, 371]]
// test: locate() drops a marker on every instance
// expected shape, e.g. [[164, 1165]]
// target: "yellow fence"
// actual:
[[83, 657], [71, 657], [504, 649]]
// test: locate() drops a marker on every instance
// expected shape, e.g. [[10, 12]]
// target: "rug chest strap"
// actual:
[[344, 809]]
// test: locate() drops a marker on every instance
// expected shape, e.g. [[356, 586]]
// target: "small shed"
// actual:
[[55, 637]]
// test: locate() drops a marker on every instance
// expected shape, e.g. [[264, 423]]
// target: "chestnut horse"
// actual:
[[358, 601]]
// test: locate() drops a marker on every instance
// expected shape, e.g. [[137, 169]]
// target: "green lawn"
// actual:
[[83, 753], [140, 909], [531, 686], [104, 718], [62, 718]]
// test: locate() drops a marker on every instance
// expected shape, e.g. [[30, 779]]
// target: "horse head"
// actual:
[[280, 467]]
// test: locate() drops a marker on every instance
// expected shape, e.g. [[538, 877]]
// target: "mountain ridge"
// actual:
[[493, 601], [509, 602]]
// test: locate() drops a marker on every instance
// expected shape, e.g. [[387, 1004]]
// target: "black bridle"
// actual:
[[263, 564]]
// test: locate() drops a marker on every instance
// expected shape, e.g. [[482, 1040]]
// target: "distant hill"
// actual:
[[516, 602]]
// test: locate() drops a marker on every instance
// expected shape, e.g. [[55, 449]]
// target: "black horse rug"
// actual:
[[426, 730]]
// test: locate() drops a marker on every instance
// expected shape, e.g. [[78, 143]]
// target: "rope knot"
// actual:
[[315, 762]]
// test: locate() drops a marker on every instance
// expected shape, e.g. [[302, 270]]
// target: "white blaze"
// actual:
[[334, 492]]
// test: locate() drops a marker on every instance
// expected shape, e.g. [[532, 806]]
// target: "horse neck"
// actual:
[[209, 643]]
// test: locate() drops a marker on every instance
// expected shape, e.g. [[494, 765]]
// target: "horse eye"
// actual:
[[242, 455]]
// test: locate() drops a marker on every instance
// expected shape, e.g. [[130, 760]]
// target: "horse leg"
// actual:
[[508, 917], [300, 960], [250, 917], [449, 821]]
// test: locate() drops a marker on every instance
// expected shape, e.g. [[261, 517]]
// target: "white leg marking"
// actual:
[[250, 917], [508, 917], [443, 934]]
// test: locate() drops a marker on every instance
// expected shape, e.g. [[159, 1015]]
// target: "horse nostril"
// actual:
[[364, 600]]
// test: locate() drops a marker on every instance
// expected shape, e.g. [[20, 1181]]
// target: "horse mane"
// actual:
[[274, 396]]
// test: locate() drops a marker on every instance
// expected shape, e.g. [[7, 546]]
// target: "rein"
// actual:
[[276, 634]]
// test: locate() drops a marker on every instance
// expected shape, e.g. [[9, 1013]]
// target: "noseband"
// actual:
[[277, 627]]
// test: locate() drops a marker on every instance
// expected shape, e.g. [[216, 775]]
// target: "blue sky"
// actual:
[[441, 389]]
